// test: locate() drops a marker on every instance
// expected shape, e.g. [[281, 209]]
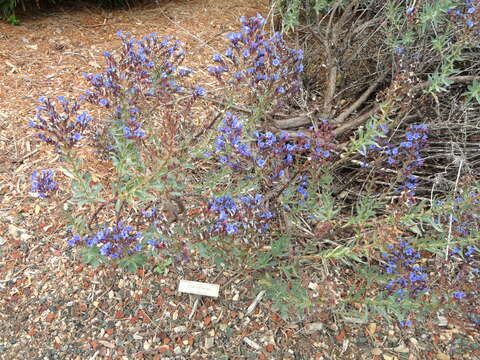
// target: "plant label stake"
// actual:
[[198, 288]]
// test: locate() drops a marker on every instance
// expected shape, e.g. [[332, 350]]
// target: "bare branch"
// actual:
[[340, 118], [356, 121], [293, 122]]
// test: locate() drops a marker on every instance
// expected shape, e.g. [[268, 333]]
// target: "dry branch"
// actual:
[[341, 118]]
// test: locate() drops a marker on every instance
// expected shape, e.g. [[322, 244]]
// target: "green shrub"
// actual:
[[8, 7]]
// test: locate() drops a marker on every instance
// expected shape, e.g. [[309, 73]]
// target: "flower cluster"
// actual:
[[273, 154], [402, 263], [146, 69], [467, 14], [60, 129], [232, 145], [158, 226], [116, 242], [283, 150], [464, 220], [265, 63], [43, 183], [404, 157], [463, 276], [236, 213]]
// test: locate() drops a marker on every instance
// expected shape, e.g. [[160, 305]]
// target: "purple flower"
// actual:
[[74, 240], [58, 128], [398, 50], [103, 102], [231, 229], [198, 91], [261, 162], [43, 183], [470, 251], [459, 294]]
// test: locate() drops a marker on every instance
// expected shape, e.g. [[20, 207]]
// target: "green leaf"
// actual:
[[91, 256], [280, 246]]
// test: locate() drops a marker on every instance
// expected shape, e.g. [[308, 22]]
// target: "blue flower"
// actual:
[[459, 294], [302, 191], [266, 215], [152, 242], [198, 91], [470, 251], [74, 240], [398, 50], [231, 229], [43, 183], [229, 53], [185, 71], [104, 250]]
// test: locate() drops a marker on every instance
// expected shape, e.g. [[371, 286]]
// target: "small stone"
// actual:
[[313, 286], [251, 343], [313, 327], [180, 329], [442, 356], [442, 321], [377, 352], [18, 233], [389, 357], [268, 338], [209, 342], [371, 328], [354, 320], [401, 348]]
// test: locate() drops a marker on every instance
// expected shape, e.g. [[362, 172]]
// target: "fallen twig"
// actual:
[[255, 302]]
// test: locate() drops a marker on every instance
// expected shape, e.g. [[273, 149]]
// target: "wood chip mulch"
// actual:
[[54, 307]]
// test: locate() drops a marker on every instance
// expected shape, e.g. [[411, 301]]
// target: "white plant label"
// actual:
[[198, 288]]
